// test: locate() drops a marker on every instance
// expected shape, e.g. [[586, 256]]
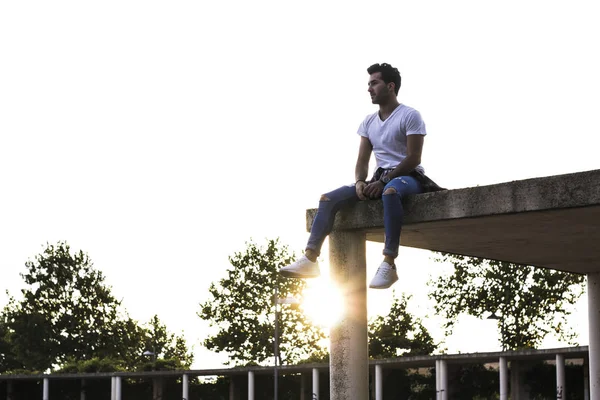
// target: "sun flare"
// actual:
[[322, 302]]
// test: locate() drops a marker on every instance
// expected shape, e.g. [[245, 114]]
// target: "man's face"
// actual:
[[378, 89]]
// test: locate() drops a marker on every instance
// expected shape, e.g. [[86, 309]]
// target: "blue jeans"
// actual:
[[393, 213]]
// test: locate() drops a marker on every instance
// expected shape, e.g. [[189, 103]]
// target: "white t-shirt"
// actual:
[[388, 137]]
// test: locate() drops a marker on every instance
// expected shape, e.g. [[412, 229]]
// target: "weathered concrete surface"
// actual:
[[349, 358], [551, 222]]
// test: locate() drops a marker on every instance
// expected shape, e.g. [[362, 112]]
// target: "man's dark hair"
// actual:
[[388, 74]]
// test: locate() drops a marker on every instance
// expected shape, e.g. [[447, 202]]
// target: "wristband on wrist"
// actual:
[[360, 180], [385, 180]]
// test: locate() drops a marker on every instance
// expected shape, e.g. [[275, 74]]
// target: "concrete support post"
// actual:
[[46, 389], [118, 388], [586, 379], [515, 380], [9, 390], [234, 388], [443, 380], [594, 328], [560, 377], [378, 382], [82, 390], [113, 388], [503, 379], [438, 393], [250, 385], [303, 380], [315, 384], [349, 363], [185, 387]]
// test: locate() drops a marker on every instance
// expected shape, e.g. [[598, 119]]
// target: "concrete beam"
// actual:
[[516, 221]]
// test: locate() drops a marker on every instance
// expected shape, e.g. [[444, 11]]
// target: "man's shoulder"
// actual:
[[369, 119], [406, 110]]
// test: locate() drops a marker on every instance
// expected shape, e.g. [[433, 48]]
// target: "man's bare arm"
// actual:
[[362, 162], [414, 149], [362, 166]]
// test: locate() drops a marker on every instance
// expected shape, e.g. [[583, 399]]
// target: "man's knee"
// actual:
[[390, 190]]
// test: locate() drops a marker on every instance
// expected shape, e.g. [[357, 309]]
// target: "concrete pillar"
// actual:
[[250, 385], [515, 380], [443, 380], [46, 390], [560, 377], [9, 390], [378, 382], [503, 379], [233, 389], [118, 388], [586, 379], [315, 384], [349, 363], [519, 388], [82, 390], [185, 387], [113, 388], [594, 328], [303, 380], [438, 393], [158, 388]]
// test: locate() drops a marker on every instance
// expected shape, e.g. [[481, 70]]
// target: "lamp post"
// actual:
[[276, 344], [155, 386], [149, 353], [500, 320]]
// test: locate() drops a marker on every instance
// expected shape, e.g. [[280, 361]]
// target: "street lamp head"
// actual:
[[494, 316], [148, 353]]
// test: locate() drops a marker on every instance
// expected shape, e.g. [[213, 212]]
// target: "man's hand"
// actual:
[[360, 188], [373, 190]]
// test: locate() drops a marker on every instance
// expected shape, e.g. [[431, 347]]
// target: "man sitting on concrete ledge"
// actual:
[[395, 134]]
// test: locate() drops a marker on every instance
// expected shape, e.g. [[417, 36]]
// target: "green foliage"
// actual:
[[66, 312], [242, 307], [529, 302], [410, 384], [473, 381], [399, 333], [68, 316], [91, 366], [170, 351]]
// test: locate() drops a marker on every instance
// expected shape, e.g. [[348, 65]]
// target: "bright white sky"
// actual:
[[160, 136]]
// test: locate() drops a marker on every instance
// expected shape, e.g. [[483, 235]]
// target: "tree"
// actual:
[[399, 333], [242, 307], [528, 302], [68, 315], [8, 361], [165, 346]]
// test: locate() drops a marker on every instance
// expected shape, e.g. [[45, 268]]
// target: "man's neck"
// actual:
[[385, 110]]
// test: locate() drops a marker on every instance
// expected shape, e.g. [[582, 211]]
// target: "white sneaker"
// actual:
[[302, 268], [385, 277]]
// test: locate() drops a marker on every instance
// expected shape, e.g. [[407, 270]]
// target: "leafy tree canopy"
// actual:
[[242, 307], [68, 314], [168, 349], [529, 302], [399, 333]]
